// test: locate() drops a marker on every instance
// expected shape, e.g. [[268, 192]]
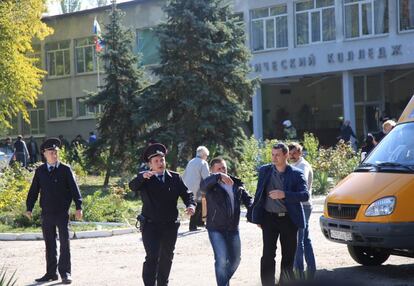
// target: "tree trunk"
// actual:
[[109, 166], [174, 159]]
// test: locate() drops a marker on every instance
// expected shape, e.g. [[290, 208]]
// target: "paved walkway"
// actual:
[[117, 260]]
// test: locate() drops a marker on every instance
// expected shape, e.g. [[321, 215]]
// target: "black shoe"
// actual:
[[193, 229], [67, 280], [47, 278]]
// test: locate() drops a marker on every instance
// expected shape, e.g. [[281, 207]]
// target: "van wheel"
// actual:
[[368, 256]]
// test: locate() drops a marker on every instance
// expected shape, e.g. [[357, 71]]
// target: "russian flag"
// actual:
[[97, 32]]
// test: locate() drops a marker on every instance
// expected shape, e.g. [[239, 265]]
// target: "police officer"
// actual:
[[56, 184], [159, 189]]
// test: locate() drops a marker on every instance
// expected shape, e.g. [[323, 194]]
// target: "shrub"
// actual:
[[247, 169], [109, 207]]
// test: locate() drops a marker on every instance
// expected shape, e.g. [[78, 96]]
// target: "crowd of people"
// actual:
[[27, 152]]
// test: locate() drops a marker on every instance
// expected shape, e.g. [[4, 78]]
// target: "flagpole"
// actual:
[[97, 67]]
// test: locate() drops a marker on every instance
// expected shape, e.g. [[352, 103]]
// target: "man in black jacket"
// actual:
[[224, 194], [159, 189], [57, 187]]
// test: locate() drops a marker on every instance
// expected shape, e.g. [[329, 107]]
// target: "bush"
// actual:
[[14, 186], [330, 165], [110, 207], [249, 163]]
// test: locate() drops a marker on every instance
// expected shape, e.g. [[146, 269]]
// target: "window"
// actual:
[[85, 110], [315, 21], [60, 109], [365, 17], [148, 45], [406, 14], [37, 120], [269, 28], [58, 58], [85, 55]]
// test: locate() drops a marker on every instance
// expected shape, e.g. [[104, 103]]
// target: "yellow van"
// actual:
[[372, 209]]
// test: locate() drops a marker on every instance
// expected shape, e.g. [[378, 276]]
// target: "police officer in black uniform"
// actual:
[[159, 189], [56, 184]]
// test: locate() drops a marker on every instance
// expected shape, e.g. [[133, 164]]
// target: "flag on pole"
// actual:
[[97, 32]]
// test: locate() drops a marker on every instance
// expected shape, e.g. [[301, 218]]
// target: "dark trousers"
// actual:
[[273, 227], [197, 218], [49, 224], [159, 243]]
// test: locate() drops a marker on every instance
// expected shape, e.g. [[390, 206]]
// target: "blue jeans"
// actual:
[[305, 247], [226, 247]]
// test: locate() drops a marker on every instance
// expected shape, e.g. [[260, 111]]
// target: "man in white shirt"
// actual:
[[196, 171], [304, 247]]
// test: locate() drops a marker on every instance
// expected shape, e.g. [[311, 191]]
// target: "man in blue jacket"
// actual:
[[278, 211], [224, 194]]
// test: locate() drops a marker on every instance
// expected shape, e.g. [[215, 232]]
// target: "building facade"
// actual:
[[319, 61], [325, 60]]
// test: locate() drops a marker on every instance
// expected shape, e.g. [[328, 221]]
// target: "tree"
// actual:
[[20, 79], [118, 97], [69, 6], [203, 94]]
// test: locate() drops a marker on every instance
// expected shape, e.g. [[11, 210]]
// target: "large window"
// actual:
[[315, 21], [58, 58], [85, 55], [269, 28], [37, 120], [85, 110], [147, 45], [60, 109], [365, 17], [406, 13]]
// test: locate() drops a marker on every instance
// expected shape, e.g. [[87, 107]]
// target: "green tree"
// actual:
[[20, 79], [69, 6], [118, 97], [203, 93]]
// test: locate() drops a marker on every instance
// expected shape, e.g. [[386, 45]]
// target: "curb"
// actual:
[[72, 235]]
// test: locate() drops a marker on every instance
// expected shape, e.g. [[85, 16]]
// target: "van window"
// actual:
[[396, 147]]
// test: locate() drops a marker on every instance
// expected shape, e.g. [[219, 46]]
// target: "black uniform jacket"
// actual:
[[57, 189], [220, 215], [159, 199]]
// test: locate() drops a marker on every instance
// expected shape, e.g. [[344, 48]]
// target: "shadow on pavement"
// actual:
[[401, 275]]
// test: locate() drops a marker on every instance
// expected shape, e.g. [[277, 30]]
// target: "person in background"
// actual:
[[92, 138], [33, 150], [289, 131], [368, 146], [387, 126], [304, 247], [195, 172], [20, 151], [346, 132], [224, 195]]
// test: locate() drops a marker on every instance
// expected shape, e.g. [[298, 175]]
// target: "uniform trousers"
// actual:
[[159, 242], [49, 224]]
